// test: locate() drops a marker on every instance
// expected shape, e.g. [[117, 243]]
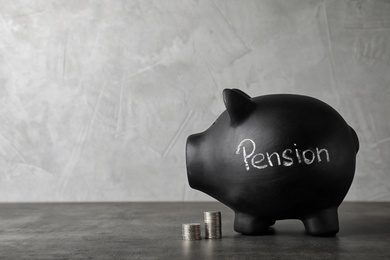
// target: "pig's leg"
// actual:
[[250, 225], [322, 223]]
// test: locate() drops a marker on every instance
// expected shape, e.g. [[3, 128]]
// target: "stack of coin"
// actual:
[[191, 231], [212, 220]]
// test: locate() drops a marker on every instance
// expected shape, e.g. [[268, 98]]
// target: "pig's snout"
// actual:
[[193, 160]]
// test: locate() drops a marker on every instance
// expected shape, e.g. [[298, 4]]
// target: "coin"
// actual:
[[191, 231], [213, 228]]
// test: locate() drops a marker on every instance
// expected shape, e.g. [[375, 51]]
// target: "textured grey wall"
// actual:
[[97, 97]]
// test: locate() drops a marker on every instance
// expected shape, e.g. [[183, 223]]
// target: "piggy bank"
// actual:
[[275, 157]]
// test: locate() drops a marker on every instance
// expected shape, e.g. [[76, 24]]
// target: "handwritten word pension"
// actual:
[[287, 158]]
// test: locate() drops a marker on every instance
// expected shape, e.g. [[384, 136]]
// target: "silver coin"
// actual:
[[191, 231], [213, 227]]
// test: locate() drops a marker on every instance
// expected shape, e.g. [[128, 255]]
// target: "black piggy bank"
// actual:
[[275, 157]]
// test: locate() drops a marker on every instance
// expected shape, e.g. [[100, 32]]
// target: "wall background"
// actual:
[[97, 98]]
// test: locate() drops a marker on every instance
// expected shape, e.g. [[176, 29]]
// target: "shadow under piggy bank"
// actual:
[[275, 157]]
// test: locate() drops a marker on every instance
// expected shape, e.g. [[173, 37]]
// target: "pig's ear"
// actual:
[[238, 104]]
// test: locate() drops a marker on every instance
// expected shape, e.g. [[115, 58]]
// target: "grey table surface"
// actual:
[[153, 231]]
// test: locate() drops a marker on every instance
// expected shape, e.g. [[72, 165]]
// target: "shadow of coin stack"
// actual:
[[191, 231], [212, 221]]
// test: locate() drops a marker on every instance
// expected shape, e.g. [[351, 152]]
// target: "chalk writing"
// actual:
[[287, 158]]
